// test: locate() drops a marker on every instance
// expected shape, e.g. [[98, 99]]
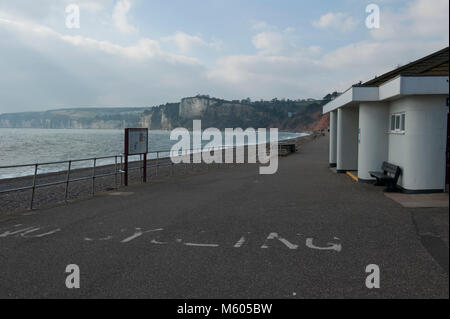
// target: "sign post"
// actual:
[[136, 143]]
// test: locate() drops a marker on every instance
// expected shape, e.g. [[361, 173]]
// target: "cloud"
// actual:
[[417, 20], [429, 20], [269, 42], [57, 70], [366, 59], [91, 6], [337, 21], [44, 10], [265, 77], [260, 76], [187, 43], [45, 66], [145, 48], [119, 16], [310, 75], [260, 25], [272, 41]]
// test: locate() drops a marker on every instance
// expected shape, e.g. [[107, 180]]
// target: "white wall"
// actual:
[[373, 138], [420, 152], [347, 139], [333, 138]]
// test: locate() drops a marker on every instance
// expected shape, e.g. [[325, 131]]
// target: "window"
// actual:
[[398, 123]]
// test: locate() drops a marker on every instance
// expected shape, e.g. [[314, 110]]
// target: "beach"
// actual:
[[157, 170]]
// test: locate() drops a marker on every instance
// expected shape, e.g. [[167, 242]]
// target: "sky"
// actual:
[[131, 53]]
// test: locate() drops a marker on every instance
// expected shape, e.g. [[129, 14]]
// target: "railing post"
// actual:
[[121, 169], [126, 169], [67, 181], [93, 177], [157, 163], [171, 163], [145, 168], [115, 171], [34, 186], [140, 166]]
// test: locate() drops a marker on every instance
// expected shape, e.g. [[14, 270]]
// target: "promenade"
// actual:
[[304, 232]]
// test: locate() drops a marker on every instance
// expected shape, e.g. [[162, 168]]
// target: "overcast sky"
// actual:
[[148, 52]]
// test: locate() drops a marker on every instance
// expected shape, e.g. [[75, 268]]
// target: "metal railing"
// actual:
[[156, 162], [68, 178], [118, 164]]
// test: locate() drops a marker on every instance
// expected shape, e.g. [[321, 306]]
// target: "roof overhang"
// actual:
[[393, 89]]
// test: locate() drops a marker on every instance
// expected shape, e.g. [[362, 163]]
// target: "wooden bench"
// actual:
[[286, 149], [389, 176]]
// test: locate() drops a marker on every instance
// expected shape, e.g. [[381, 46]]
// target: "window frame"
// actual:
[[397, 123]]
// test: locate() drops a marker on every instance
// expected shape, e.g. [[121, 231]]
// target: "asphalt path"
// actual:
[[304, 232]]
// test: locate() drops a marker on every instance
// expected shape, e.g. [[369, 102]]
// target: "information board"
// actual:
[[136, 141]]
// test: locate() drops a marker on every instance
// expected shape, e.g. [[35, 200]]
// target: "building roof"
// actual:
[[433, 64], [426, 76]]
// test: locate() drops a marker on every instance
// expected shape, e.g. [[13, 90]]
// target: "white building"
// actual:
[[400, 117]]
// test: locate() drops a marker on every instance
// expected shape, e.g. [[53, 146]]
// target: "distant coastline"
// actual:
[[287, 115]]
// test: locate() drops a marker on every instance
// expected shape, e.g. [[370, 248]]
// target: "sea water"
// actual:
[[30, 146]]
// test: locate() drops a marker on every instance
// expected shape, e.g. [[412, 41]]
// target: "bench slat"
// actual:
[[390, 175], [380, 175]]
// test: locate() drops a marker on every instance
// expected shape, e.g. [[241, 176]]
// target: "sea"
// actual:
[[30, 146]]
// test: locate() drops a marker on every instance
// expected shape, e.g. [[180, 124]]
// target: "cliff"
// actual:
[[195, 107], [76, 118], [289, 115]]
